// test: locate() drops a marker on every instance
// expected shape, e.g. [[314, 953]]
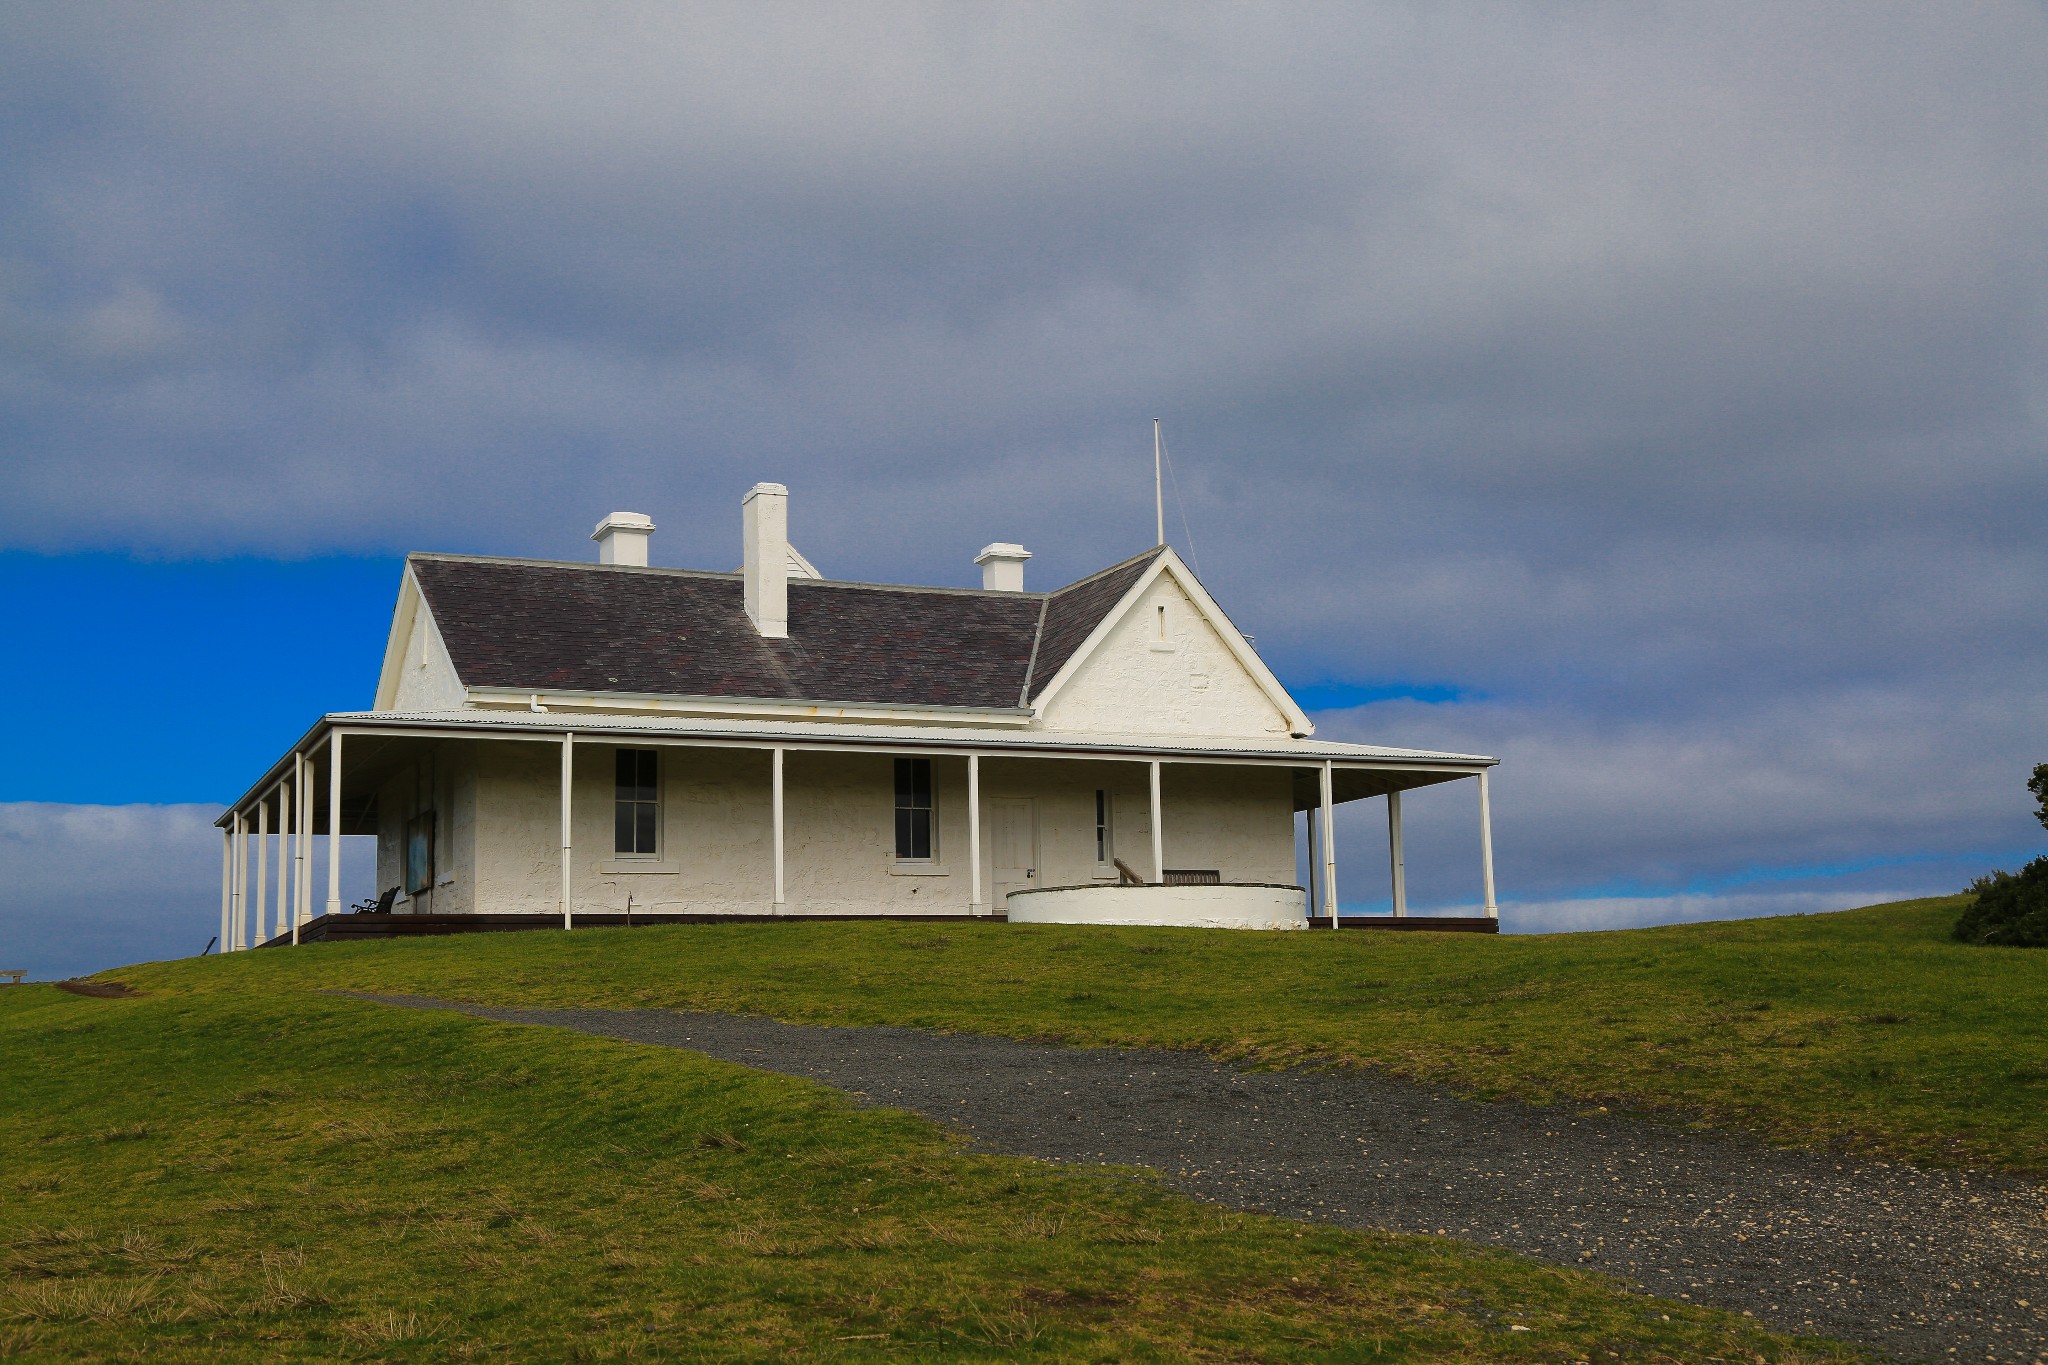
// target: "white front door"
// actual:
[[1012, 847]]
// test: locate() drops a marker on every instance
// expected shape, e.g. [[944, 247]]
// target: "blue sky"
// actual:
[[289, 640], [1654, 397]]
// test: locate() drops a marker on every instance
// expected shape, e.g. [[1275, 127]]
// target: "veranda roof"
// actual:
[[1360, 770]]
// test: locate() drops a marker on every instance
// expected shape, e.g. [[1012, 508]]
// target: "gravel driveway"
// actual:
[[1934, 1265]]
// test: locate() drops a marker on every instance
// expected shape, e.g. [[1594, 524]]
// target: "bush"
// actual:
[[2011, 908]]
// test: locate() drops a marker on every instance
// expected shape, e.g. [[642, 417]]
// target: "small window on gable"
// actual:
[[1162, 623], [637, 805], [1105, 834], [914, 809]]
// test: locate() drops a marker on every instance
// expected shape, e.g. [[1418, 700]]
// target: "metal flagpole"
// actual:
[[1158, 488]]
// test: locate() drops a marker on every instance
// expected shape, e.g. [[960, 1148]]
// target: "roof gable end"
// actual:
[[1163, 566]]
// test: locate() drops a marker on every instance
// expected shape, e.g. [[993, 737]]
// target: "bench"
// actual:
[[13, 974], [1174, 876]]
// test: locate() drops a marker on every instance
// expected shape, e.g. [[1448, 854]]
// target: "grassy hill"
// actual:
[[236, 1164], [1867, 1030]]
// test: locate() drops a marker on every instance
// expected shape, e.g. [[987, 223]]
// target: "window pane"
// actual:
[[914, 782], [643, 840], [913, 808], [622, 828], [636, 774]]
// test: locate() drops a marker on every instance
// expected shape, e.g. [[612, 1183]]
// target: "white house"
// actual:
[[563, 743]]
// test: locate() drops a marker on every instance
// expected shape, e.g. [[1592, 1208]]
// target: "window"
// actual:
[[1105, 839], [914, 808], [1162, 640], [638, 802], [419, 853]]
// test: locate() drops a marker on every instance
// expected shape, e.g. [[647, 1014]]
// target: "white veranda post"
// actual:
[[1394, 853], [227, 883], [234, 939], [262, 870], [775, 819], [974, 834], [1327, 816], [334, 823], [302, 908], [568, 854], [1158, 830], [1486, 845], [1315, 875], [284, 849]]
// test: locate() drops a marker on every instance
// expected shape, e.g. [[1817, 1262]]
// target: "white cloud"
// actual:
[[1635, 912], [83, 888]]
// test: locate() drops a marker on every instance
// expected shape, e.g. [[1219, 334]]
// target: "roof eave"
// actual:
[[681, 704]]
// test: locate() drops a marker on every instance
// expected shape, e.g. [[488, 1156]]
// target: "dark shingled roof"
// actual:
[[593, 628]]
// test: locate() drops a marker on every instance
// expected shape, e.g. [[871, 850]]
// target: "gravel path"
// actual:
[[1931, 1265]]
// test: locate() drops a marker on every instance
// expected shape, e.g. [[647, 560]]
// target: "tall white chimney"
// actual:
[[622, 538], [764, 518], [1002, 567]]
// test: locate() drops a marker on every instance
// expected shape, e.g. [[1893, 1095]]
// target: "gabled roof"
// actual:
[[550, 627]]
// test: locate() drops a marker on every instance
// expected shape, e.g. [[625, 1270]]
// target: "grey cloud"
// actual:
[[1670, 378], [1736, 794]]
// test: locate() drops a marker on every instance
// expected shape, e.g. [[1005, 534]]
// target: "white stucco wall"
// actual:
[[517, 829], [1186, 683], [427, 680], [499, 838]]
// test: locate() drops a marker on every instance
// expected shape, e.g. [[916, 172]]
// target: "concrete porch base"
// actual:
[[1229, 905]]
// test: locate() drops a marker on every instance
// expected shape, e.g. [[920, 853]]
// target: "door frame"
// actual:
[[995, 888]]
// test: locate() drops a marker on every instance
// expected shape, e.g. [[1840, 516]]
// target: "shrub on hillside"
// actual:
[[2011, 908]]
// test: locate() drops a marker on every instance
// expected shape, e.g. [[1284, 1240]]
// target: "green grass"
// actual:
[[1868, 1030], [233, 1166]]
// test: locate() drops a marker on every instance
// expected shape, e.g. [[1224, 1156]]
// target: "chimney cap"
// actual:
[[758, 489], [623, 521], [1002, 550]]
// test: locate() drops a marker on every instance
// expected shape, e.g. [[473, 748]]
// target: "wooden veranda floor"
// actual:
[[1427, 924], [337, 928]]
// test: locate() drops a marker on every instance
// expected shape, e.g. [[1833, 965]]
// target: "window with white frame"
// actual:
[[914, 810], [637, 804], [1105, 828]]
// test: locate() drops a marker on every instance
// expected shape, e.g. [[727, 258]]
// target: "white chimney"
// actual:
[[764, 518], [1002, 567], [622, 538]]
